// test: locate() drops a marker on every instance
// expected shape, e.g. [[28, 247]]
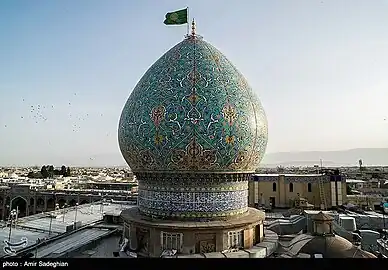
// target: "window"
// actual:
[[309, 187], [172, 241], [274, 187], [236, 239], [291, 187]]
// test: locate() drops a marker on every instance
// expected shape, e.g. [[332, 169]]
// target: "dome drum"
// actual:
[[190, 196]]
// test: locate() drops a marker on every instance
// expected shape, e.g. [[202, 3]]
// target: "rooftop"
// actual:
[[286, 174], [354, 181], [251, 216], [38, 226], [103, 249], [70, 243]]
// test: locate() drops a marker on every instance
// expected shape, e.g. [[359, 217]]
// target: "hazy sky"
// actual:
[[319, 67]]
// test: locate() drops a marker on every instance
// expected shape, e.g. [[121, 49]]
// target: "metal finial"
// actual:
[[193, 28]]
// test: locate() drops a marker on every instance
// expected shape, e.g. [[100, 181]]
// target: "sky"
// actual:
[[68, 67]]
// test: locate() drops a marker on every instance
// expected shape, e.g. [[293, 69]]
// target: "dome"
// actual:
[[193, 132], [193, 111], [322, 217], [334, 247]]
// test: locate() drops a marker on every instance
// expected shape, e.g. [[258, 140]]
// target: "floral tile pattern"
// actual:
[[193, 202], [296, 178], [193, 110]]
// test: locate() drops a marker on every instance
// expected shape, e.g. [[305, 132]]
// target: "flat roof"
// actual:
[[354, 181], [38, 226], [71, 242], [345, 217], [103, 249], [315, 212], [87, 214], [16, 236], [285, 174], [109, 183], [367, 214]]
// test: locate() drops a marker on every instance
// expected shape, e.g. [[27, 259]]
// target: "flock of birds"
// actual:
[[40, 113]]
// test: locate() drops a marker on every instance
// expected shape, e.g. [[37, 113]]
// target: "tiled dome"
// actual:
[[193, 111], [192, 132]]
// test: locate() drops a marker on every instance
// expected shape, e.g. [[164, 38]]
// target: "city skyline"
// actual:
[[67, 69]]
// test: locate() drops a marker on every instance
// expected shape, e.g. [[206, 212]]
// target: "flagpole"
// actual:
[[188, 19]]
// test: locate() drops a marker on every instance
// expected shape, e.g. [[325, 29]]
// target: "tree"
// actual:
[[31, 175], [50, 171], [68, 171], [280, 169], [63, 170], [360, 163], [44, 172]]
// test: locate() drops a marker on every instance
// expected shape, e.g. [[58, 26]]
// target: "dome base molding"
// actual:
[[149, 237]]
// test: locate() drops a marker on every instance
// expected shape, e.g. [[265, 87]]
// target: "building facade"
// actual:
[[29, 201], [281, 190]]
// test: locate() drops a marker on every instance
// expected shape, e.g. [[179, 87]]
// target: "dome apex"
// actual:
[[193, 34], [193, 27]]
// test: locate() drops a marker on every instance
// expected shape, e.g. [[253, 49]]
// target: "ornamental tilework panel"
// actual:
[[194, 204], [265, 178], [218, 188], [293, 178], [187, 180], [306, 179], [193, 111]]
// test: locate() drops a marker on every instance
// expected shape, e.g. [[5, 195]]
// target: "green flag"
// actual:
[[176, 17]]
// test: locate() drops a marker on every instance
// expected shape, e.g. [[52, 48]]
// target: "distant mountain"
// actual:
[[369, 156]]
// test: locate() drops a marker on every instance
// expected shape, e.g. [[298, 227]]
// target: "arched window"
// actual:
[[309, 187], [291, 187], [274, 187]]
